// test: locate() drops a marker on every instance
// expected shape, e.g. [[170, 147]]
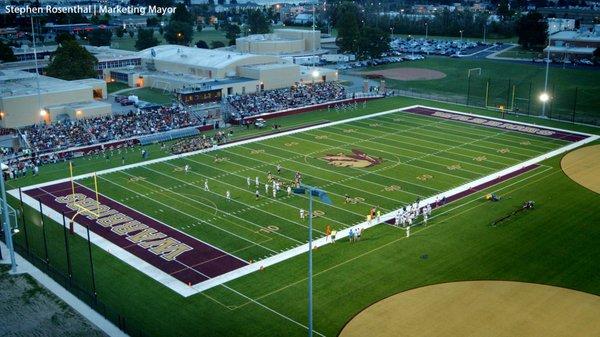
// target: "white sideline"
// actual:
[[186, 291], [78, 305]]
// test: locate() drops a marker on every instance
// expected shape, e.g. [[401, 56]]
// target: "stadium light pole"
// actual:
[[6, 224], [325, 199], [544, 97]]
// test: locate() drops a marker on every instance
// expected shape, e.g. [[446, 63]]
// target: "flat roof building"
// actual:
[[173, 67], [575, 44], [27, 99], [293, 42]]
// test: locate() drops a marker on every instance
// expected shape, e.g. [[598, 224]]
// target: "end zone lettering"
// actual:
[[493, 123], [148, 238]]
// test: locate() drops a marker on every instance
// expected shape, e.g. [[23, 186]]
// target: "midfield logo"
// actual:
[[357, 159]]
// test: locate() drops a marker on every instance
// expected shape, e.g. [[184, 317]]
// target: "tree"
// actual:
[[217, 44], [201, 44], [532, 30], [6, 53], [232, 31], [596, 56], [152, 22], [62, 37], [504, 10], [100, 37], [179, 32], [182, 14], [199, 28], [145, 39], [373, 42], [258, 23], [71, 61], [131, 33], [120, 31], [347, 19]]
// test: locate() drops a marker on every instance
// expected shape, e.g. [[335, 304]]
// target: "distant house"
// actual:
[[303, 19]]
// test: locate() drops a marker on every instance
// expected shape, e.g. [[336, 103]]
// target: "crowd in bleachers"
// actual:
[[281, 99], [65, 134], [201, 142]]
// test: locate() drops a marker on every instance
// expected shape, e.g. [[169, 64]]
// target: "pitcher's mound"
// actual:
[[480, 308], [408, 74], [583, 166]]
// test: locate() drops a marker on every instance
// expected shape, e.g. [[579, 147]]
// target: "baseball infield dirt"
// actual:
[[407, 74], [583, 166], [480, 308]]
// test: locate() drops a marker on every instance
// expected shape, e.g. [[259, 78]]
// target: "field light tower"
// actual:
[[325, 199]]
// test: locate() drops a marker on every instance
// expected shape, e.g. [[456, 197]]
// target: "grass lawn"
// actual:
[[520, 53], [556, 243], [151, 95], [115, 86], [562, 83]]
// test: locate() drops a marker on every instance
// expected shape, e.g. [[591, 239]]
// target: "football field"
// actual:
[[186, 226]]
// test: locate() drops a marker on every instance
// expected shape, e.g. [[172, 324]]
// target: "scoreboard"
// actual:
[[200, 97]]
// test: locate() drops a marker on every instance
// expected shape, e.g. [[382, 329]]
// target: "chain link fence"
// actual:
[[69, 260], [572, 104]]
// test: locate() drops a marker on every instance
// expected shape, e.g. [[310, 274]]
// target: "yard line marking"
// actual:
[[330, 182], [406, 148], [493, 149], [225, 213], [276, 200], [191, 216], [349, 177], [484, 144], [239, 188], [461, 128], [514, 133], [419, 144], [518, 136], [415, 232]]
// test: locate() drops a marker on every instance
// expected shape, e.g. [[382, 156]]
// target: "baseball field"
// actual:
[[364, 157]]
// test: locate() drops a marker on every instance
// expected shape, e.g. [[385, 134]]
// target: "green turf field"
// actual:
[[554, 244], [421, 156], [562, 85]]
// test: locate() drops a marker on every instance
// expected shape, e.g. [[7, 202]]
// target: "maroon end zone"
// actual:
[[180, 255], [505, 125]]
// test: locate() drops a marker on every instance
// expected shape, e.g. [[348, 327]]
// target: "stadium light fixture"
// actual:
[[43, 113], [315, 73], [544, 97], [312, 192]]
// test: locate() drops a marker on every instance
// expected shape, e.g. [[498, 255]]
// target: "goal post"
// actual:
[[476, 71], [80, 207]]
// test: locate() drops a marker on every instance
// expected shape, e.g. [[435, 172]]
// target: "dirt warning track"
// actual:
[[480, 308], [583, 167], [408, 74]]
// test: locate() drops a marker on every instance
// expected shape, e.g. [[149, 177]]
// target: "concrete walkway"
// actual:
[[23, 266], [494, 56]]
